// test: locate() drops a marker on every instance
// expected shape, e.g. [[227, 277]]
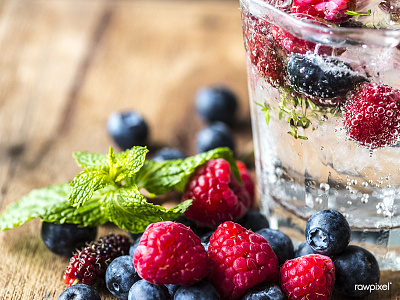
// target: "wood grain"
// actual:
[[66, 65]]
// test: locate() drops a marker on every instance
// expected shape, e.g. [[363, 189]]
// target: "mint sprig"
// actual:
[[108, 190], [358, 14]]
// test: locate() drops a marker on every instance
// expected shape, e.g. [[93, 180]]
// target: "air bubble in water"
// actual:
[[318, 200], [324, 187], [364, 198]]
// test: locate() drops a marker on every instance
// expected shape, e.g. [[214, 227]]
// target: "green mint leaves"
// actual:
[[108, 190], [358, 14]]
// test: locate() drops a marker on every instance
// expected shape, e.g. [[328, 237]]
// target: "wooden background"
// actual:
[[65, 65]]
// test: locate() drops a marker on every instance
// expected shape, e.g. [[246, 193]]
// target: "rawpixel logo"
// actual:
[[372, 287]]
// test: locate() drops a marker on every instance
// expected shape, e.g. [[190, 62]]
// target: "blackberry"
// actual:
[[201, 290], [328, 232], [216, 104], [144, 290], [79, 292], [213, 136], [279, 242], [90, 264], [128, 129], [120, 276], [64, 239]]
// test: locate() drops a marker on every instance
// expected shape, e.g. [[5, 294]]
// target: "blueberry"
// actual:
[[205, 239], [213, 136], [134, 246], [172, 288], [328, 232], [279, 242], [144, 290], [79, 292], [199, 231], [322, 77], [135, 236], [303, 249], [168, 154], [216, 104], [127, 129], [64, 239], [201, 290], [264, 291], [355, 266], [254, 220], [120, 276]]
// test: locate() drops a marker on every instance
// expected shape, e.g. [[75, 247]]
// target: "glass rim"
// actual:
[[336, 36]]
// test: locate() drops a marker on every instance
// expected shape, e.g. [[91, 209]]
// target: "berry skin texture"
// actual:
[[355, 265], [144, 290], [120, 276], [240, 259], [64, 239], [201, 290], [213, 136], [128, 129], [79, 292], [372, 115], [217, 195], [254, 220], [217, 103], [308, 277], [90, 264], [303, 249], [327, 232], [330, 10], [264, 291], [280, 243], [321, 77], [170, 253]]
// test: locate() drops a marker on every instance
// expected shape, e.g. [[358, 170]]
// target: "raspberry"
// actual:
[[308, 277], [170, 253], [247, 181], [90, 264], [240, 259], [330, 10], [217, 195], [372, 115]]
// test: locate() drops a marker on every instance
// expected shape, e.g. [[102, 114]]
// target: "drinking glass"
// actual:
[[325, 109]]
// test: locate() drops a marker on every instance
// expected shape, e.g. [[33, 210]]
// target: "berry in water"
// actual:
[[170, 253], [213, 136], [330, 10], [120, 276], [79, 292], [144, 290], [216, 104], [240, 259], [128, 129], [328, 232], [90, 264], [217, 195], [201, 290], [64, 239]]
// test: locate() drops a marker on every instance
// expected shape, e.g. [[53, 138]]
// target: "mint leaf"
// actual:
[[131, 162], [129, 210], [86, 183], [160, 178], [89, 160], [52, 205]]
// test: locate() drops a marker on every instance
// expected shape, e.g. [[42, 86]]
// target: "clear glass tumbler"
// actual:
[[325, 105]]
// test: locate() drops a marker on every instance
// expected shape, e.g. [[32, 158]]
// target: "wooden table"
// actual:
[[66, 65]]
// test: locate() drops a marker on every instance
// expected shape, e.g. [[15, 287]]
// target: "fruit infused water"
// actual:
[[324, 89]]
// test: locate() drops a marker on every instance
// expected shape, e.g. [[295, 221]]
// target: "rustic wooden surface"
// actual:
[[65, 65]]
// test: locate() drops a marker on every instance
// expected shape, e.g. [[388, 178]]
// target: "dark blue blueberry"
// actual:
[[168, 154], [264, 291], [355, 267], [79, 292], [328, 232], [303, 249], [144, 290], [128, 129], [134, 246], [254, 220], [172, 288], [199, 231], [64, 239], [201, 290], [120, 276], [205, 239], [280, 243], [216, 104], [213, 136], [322, 77], [135, 236]]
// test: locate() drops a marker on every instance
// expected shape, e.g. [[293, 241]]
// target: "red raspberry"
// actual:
[[170, 253], [308, 277], [217, 195], [240, 259], [90, 264], [247, 181], [372, 115], [262, 49], [293, 44], [330, 10]]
